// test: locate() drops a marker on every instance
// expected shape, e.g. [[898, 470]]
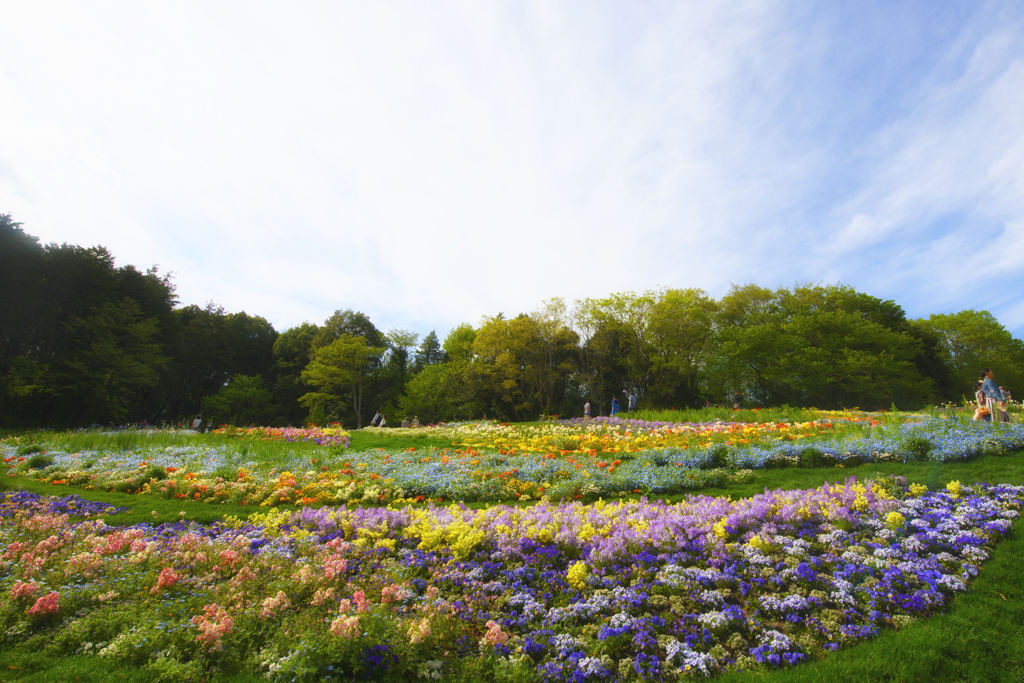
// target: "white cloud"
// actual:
[[429, 164]]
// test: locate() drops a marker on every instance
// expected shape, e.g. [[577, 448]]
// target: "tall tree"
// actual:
[[292, 351], [971, 340], [339, 368], [114, 356], [428, 353]]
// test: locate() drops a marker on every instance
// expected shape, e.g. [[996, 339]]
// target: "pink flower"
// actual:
[[214, 623], [419, 632], [45, 605], [362, 604], [271, 605], [494, 636], [345, 627], [22, 589], [168, 577]]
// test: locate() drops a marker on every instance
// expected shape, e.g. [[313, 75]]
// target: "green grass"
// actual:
[[726, 414], [361, 441]]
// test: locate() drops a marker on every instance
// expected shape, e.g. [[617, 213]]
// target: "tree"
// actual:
[[114, 355], [428, 353], [828, 347], [352, 323], [681, 334], [292, 351], [459, 342], [243, 400], [441, 392], [342, 366], [971, 340]]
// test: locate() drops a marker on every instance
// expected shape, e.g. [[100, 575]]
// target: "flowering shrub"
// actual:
[[609, 591]]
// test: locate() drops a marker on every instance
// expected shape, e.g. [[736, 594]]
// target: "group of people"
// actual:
[[379, 420], [991, 399], [631, 403]]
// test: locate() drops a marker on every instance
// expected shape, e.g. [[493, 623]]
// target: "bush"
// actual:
[[919, 447], [719, 458], [155, 472], [30, 448], [40, 461], [812, 457]]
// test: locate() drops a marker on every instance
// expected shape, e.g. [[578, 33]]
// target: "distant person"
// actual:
[[383, 421], [405, 422], [197, 423], [586, 409], [994, 400], [615, 406], [707, 403], [737, 400], [415, 421], [375, 422], [632, 403]]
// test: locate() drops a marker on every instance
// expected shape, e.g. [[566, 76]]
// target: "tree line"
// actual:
[[83, 342]]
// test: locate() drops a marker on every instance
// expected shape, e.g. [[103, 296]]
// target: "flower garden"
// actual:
[[560, 551]]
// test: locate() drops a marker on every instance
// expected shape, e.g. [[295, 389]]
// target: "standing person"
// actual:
[[632, 402], [737, 400], [197, 423], [375, 422], [383, 421], [615, 406], [993, 396], [586, 409], [981, 413]]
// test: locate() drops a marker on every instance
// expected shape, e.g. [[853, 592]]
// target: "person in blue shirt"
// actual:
[[615, 406], [993, 396]]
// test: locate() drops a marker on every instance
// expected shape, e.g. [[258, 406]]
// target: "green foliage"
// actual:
[[244, 400], [39, 461], [920, 447], [971, 340], [812, 457], [339, 370], [459, 343], [828, 347]]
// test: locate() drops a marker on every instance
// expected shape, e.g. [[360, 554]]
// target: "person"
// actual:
[[415, 421], [707, 403], [586, 409], [383, 421], [376, 420], [994, 400], [615, 406], [405, 422], [981, 413], [737, 400], [632, 402], [197, 423]]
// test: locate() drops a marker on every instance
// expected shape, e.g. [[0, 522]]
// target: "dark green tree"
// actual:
[[243, 400], [428, 353]]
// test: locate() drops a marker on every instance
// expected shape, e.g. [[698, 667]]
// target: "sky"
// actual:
[[430, 163]]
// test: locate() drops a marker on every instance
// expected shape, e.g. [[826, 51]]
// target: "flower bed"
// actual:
[[609, 435], [568, 592], [219, 474]]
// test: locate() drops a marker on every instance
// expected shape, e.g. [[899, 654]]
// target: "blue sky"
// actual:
[[431, 163]]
